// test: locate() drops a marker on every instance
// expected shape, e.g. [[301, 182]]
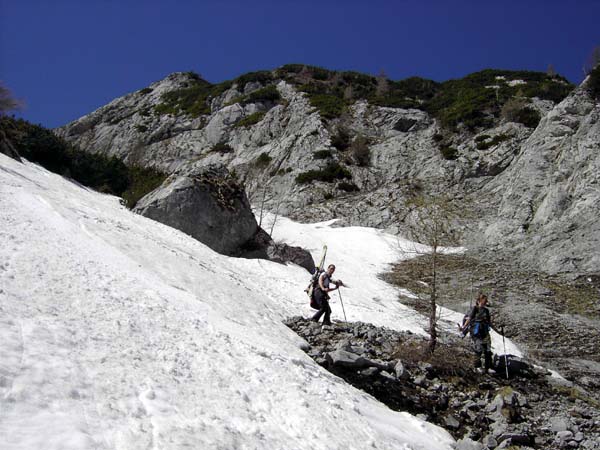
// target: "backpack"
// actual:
[[314, 283], [480, 329]]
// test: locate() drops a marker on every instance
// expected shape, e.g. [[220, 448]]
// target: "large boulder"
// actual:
[[205, 202]]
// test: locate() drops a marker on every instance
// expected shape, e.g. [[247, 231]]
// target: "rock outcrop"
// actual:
[[205, 202], [261, 245], [533, 191], [530, 410], [550, 194], [209, 204]]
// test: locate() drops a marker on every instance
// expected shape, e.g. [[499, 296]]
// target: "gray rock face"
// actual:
[[548, 211], [262, 246], [206, 203], [346, 359], [535, 192]]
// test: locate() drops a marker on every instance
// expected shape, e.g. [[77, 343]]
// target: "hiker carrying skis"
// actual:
[[321, 295], [479, 323]]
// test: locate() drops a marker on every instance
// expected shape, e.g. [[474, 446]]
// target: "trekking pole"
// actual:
[[342, 303], [505, 356]]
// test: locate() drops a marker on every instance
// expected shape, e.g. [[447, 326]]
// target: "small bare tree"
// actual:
[[7, 130], [592, 61], [7, 100], [434, 222], [382, 84]]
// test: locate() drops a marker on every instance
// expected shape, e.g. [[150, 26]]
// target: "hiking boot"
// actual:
[[327, 327], [480, 370], [491, 371]]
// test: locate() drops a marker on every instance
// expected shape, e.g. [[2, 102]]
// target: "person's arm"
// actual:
[[323, 288], [472, 314], [466, 325]]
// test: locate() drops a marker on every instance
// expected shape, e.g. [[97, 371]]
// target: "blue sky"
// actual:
[[67, 58]]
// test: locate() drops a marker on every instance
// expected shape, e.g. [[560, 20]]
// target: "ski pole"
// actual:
[[342, 303], [505, 356]]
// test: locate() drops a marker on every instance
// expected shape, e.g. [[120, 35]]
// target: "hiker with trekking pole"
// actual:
[[479, 324], [321, 295]]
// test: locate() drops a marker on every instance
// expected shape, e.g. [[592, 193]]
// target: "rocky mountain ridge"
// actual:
[[534, 189]]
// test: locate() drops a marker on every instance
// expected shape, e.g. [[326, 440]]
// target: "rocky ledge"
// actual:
[[526, 409]]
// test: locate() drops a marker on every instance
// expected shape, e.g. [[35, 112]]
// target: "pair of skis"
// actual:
[[318, 270]]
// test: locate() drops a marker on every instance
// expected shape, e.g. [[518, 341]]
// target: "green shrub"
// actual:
[[329, 174], [221, 147], [329, 106], [593, 85], [483, 143], [289, 69], [472, 107], [448, 152], [141, 182], [341, 140], [266, 94], [145, 91], [263, 160], [438, 137], [517, 110], [251, 119], [528, 117], [469, 101], [193, 100], [347, 187], [141, 128], [261, 76], [328, 195], [319, 73], [322, 154], [409, 93], [357, 78]]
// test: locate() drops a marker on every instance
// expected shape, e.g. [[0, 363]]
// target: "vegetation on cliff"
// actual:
[[474, 101], [99, 172]]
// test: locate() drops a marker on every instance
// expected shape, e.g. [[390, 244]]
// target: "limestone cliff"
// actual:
[[532, 189]]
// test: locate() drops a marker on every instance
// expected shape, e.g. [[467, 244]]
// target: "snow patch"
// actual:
[[118, 332]]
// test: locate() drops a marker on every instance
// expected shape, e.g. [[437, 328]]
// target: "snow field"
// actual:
[[117, 332]]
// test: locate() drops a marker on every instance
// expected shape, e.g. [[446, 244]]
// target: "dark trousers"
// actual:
[[482, 347], [322, 300]]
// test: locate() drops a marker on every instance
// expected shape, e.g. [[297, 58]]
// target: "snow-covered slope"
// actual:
[[117, 332]]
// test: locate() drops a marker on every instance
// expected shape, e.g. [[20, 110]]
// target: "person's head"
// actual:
[[482, 300], [330, 269]]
